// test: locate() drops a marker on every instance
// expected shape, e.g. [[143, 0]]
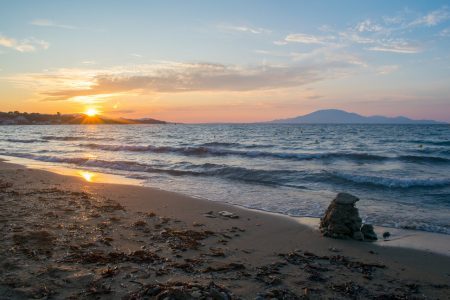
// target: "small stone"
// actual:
[[333, 249], [228, 214], [196, 294], [368, 232], [215, 294]]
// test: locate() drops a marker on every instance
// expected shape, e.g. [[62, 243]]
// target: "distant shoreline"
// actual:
[[18, 118]]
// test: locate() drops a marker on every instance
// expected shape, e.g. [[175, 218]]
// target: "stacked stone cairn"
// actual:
[[342, 221]]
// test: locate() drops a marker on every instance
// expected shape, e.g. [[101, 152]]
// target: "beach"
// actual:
[[66, 237]]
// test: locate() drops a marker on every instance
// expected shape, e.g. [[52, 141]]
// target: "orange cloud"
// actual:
[[173, 77]]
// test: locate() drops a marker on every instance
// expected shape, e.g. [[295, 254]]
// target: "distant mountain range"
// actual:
[[18, 118], [336, 116]]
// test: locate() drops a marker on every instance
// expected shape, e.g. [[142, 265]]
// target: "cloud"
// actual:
[[432, 18], [444, 32], [89, 62], [387, 69], [354, 37], [25, 45], [396, 46], [368, 26], [174, 77], [307, 38], [50, 23], [243, 28], [280, 43]]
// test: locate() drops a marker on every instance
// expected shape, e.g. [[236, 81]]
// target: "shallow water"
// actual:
[[400, 172]]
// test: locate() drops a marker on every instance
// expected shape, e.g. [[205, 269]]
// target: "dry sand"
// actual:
[[64, 237]]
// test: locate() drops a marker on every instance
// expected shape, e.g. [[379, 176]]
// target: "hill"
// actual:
[[336, 116]]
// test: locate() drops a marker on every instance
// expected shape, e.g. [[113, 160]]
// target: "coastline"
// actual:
[[182, 240], [404, 238]]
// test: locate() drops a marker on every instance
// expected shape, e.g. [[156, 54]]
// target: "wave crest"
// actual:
[[392, 182]]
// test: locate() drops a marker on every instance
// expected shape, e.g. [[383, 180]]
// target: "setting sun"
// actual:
[[91, 112]]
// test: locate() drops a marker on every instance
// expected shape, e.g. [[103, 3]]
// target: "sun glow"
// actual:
[[91, 112], [88, 176]]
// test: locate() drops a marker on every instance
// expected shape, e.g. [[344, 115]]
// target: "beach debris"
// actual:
[[341, 220], [181, 290], [368, 232], [150, 214], [101, 257], [312, 262], [386, 235], [5, 184], [284, 294], [333, 249], [349, 289], [140, 223], [109, 272], [224, 267], [228, 214], [184, 239], [209, 214], [270, 274], [216, 252]]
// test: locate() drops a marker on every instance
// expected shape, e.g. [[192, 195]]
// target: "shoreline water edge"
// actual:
[[401, 171], [408, 238]]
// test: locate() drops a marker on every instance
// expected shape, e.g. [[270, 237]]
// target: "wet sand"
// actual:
[[65, 237]]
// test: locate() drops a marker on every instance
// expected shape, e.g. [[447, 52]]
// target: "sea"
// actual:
[[401, 173]]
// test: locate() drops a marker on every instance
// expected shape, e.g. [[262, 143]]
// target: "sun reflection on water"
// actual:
[[88, 176]]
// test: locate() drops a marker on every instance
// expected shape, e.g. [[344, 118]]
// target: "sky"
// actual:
[[226, 61]]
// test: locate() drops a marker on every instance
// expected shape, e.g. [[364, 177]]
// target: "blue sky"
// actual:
[[200, 61]]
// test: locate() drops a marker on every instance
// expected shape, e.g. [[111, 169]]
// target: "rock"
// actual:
[[358, 235], [346, 198], [196, 294], [341, 219], [368, 232], [228, 214]]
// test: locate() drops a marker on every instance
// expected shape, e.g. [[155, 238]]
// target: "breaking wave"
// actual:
[[393, 182], [213, 151]]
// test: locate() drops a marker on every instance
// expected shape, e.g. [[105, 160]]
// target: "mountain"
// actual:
[[17, 118], [336, 116]]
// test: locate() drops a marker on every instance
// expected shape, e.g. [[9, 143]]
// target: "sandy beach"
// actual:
[[65, 237]]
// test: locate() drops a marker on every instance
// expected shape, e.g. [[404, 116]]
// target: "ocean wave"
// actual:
[[429, 142], [25, 141], [213, 151], [220, 144], [271, 177], [98, 163], [72, 138], [290, 178], [392, 182], [202, 150], [423, 158], [238, 145]]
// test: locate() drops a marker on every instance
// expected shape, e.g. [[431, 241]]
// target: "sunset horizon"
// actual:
[[224, 150], [233, 62]]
